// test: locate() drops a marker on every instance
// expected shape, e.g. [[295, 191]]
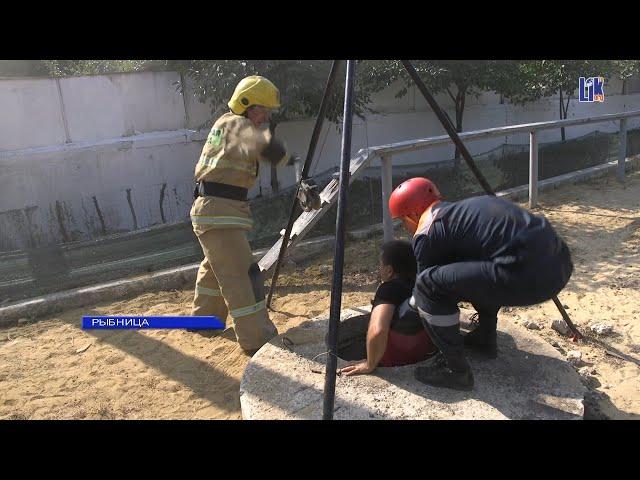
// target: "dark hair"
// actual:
[[399, 255]]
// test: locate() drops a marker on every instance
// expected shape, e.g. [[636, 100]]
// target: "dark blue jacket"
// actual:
[[484, 228]]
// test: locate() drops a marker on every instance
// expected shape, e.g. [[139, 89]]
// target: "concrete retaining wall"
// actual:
[[85, 157]]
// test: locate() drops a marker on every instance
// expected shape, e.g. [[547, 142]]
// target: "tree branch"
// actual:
[[561, 104], [451, 95], [566, 109]]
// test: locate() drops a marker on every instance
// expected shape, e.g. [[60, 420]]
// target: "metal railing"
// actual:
[[386, 152]]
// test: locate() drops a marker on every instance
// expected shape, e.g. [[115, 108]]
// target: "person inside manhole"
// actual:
[[484, 250], [392, 335]]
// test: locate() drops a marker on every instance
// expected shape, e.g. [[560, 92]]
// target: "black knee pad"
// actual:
[[257, 281]]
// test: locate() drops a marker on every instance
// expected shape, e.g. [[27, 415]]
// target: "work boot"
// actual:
[[440, 375], [448, 368], [437, 360], [484, 337]]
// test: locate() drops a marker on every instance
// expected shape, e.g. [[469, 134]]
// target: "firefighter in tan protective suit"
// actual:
[[229, 281]]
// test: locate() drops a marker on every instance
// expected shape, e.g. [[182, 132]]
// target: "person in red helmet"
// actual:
[[485, 250]]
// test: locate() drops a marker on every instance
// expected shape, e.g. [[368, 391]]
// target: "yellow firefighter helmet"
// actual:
[[254, 90]]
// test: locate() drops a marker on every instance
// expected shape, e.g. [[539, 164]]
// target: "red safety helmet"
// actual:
[[413, 196]]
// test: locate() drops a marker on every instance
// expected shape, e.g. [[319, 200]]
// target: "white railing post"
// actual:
[[533, 170], [386, 181], [622, 150]]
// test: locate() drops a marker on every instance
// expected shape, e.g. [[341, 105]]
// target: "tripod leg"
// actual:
[[448, 126]]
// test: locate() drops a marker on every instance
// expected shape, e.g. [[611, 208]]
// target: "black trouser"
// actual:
[[534, 271]]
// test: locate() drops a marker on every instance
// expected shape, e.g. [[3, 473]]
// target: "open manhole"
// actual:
[[528, 380]]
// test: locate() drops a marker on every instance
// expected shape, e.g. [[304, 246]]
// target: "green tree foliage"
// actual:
[[625, 69], [457, 78], [63, 68], [301, 84]]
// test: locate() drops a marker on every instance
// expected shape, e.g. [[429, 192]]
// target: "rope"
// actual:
[[288, 344], [315, 163], [325, 353], [366, 136]]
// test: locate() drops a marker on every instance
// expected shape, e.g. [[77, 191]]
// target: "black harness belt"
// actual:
[[214, 189]]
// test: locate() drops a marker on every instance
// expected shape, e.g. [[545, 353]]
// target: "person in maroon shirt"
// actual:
[[393, 334]]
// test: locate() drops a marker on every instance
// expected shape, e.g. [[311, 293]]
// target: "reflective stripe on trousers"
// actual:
[[208, 291], [243, 312], [221, 221], [440, 320]]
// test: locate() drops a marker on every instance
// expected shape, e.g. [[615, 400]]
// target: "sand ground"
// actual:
[[52, 369]]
